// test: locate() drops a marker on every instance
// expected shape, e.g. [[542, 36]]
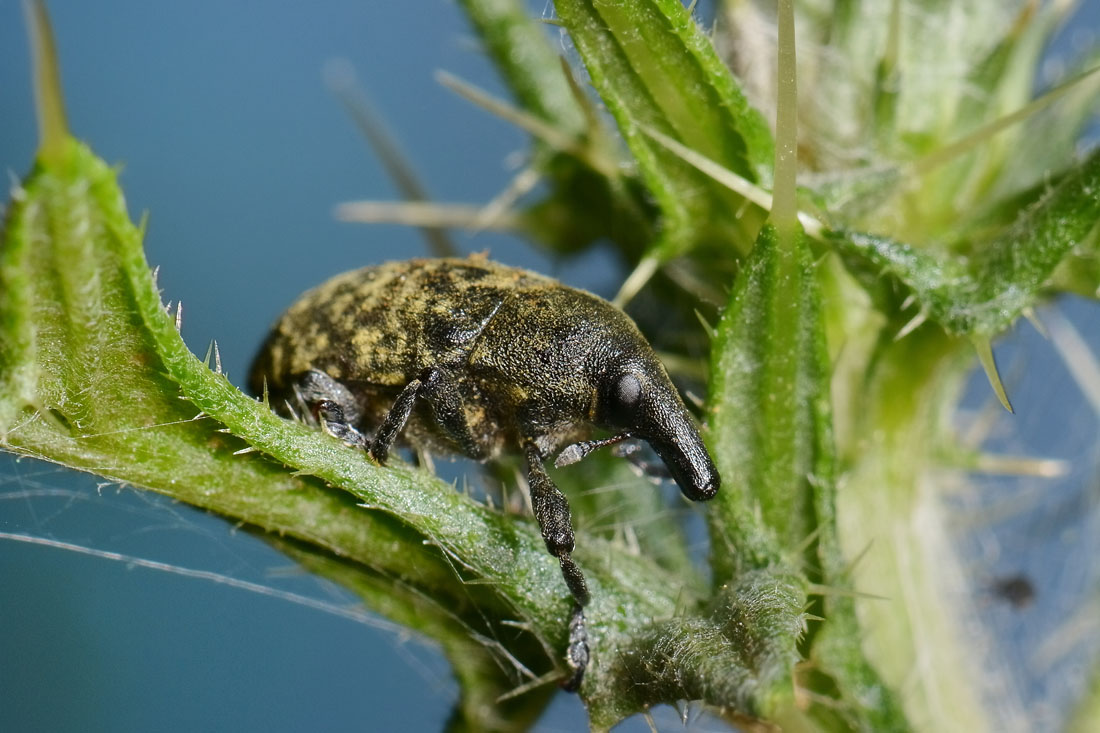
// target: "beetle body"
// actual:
[[474, 357]]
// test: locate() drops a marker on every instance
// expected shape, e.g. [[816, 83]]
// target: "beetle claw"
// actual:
[[577, 655]]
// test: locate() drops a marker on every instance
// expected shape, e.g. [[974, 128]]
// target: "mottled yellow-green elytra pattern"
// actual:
[[510, 337]]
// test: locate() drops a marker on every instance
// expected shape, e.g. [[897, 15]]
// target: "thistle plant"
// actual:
[[827, 212]]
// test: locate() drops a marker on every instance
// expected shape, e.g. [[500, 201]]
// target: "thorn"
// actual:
[[691, 281], [15, 186], [909, 300], [592, 120], [209, 351], [727, 178], [156, 274], [1033, 318], [427, 462], [970, 141], [521, 625], [340, 77], [708, 329], [528, 686], [267, 403], [914, 323], [500, 207], [831, 590], [682, 709], [1022, 466], [522, 119], [291, 411], [643, 271], [217, 358], [427, 215], [179, 316], [984, 348], [242, 451], [53, 128], [168, 306], [809, 539], [556, 138], [1077, 355]]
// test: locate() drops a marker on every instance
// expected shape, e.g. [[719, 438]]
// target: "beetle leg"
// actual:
[[335, 423], [577, 654], [331, 404], [552, 513], [634, 453], [623, 447], [394, 421], [436, 386], [550, 506], [575, 452], [442, 394], [315, 387]]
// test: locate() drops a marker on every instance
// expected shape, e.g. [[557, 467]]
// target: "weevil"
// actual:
[[474, 357]]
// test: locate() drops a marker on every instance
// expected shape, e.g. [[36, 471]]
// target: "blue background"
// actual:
[[226, 135]]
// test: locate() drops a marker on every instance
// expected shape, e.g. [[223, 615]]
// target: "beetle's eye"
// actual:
[[628, 391], [620, 399]]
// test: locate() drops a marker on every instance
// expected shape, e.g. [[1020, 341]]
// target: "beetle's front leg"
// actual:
[[575, 452], [438, 387], [552, 513], [635, 454], [623, 446], [331, 404]]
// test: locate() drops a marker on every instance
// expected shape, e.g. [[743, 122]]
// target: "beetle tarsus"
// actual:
[[330, 404], [636, 456], [577, 655], [331, 417], [575, 452], [315, 387]]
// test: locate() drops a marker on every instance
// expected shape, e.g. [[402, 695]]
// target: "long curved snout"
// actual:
[[676, 440]]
